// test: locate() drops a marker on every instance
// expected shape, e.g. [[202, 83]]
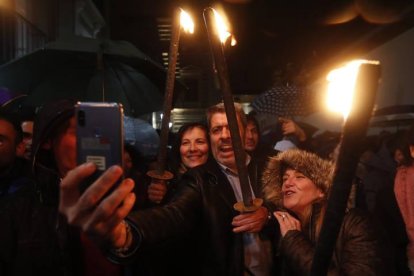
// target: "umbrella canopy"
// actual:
[[88, 70], [285, 101], [142, 136], [392, 118]]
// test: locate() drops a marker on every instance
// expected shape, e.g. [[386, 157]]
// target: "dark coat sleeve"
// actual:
[[356, 253], [157, 225]]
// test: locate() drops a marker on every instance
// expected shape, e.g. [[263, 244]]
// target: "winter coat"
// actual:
[[18, 177], [404, 192], [202, 207], [29, 243], [378, 190], [357, 251]]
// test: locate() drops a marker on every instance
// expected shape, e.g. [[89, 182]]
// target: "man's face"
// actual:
[[221, 146], [64, 149], [252, 137], [7, 145], [27, 127]]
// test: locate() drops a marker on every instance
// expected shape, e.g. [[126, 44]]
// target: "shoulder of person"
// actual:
[[358, 221], [210, 170]]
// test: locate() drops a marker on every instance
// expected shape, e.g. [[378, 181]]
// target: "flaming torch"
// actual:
[[180, 19], [218, 34], [361, 78]]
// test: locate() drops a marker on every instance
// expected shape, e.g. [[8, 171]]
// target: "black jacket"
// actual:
[[357, 250], [203, 207], [28, 231]]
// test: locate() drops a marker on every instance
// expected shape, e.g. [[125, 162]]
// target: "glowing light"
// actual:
[[221, 27], [233, 41], [341, 86], [186, 22]]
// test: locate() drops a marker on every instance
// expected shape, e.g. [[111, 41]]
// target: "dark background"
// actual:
[[293, 40]]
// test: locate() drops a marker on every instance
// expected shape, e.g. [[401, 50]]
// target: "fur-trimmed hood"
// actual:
[[318, 170]]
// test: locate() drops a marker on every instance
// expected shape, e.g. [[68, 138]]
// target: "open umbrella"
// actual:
[[88, 70], [285, 101], [392, 118], [142, 136]]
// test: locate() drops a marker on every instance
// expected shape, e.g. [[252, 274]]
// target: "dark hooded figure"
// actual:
[[35, 243], [51, 122], [299, 183], [16, 196], [13, 170], [54, 155]]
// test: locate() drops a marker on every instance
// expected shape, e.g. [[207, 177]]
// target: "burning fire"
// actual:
[[186, 22], [341, 85], [222, 28]]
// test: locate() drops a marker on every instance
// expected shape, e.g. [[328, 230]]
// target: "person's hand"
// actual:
[[101, 218], [157, 190], [289, 127], [286, 222], [251, 222]]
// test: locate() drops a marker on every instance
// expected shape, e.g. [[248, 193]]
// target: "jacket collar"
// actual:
[[219, 179]]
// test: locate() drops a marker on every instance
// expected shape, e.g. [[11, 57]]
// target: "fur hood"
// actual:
[[318, 170]]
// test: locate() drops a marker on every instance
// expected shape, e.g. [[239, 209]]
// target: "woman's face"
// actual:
[[194, 147], [298, 192]]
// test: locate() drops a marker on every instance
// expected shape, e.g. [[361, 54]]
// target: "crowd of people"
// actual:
[[188, 224]]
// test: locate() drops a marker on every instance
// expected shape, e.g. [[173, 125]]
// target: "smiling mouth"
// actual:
[[226, 149], [288, 193], [192, 157]]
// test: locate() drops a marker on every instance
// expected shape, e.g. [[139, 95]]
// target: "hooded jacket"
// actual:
[[37, 236], [50, 117], [357, 249]]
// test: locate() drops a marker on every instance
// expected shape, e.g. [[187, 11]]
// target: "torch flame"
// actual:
[[222, 28], [186, 22], [233, 41], [341, 85]]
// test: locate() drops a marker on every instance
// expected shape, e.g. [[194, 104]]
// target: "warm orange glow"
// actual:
[[233, 41], [186, 22], [341, 85], [222, 27]]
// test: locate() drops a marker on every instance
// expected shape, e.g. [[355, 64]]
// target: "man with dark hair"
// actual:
[[252, 134], [11, 167], [227, 243], [15, 189]]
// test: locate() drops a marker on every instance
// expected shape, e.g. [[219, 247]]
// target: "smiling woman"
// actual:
[[191, 147], [299, 183]]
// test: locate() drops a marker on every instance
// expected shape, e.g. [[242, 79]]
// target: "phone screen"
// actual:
[[99, 136]]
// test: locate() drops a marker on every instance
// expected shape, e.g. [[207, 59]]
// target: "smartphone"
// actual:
[[99, 136]]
